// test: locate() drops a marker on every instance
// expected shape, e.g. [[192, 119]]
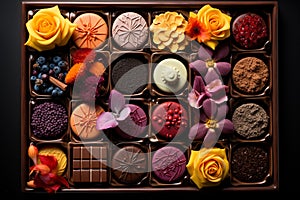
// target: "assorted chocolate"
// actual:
[[138, 98]]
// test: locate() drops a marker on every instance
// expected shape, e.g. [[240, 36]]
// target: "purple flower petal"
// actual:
[[222, 112], [123, 114], [217, 91], [198, 131], [116, 101], [106, 120], [210, 108], [205, 53], [211, 138], [223, 68], [226, 126], [203, 117], [221, 51], [199, 67], [193, 98], [211, 75], [199, 84]]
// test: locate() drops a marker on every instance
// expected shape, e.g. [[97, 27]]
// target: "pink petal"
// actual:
[[106, 120], [211, 138], [199, 84], [222, 50], [222, 112], [203, 117], [211, 75], [116, 101], [124, 113], [199, 67], [210, 108], [223, 68], [193, 98], [197, 132], [226, 126], [205, 53]]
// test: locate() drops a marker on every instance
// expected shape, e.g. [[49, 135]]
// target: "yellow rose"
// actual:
[[217, 23], [49, 28], [208, 167]]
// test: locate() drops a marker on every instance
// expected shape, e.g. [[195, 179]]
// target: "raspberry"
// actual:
[[250, 31]]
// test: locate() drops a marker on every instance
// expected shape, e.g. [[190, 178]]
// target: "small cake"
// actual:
[[250, 31], [129, 165], [91, 31], [129, 74], [250, 120], [169, 119], [130, 31], [250, 75], [170, 75], [89, 164], [60, 156], [49, 120], [250, 163], [83, 120], [134, 125], [168, 164]]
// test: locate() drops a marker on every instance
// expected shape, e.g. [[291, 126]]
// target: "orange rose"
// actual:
[[208, 167], [48, 28]]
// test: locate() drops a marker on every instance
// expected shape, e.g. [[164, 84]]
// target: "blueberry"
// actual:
[[54, 92], [62, 64], [50, 89], [56, 69], [36, 87], [39, 76], [33, 78], [45, 69], [41, 60], [51, 65], [59, 92], [56, 59]]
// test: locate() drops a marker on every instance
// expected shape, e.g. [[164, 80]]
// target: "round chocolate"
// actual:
[[49, 120], [130, 31], [129, 74], [170, 75], [250, 120], [83, 120], [134, 125], [250, 31], [129, 165], [169, 119], [250, 163], [250, 75], [168, 164], [91, 31]]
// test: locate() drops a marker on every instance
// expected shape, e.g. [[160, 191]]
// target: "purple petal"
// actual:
[[222, 112], [205, 53], [199, 84], [193, 99], [198, 131], [106, 120], [210, 108], [221, 51], [223, 68], [203, 117], [116, 101], [199, 67], [211, 75], [124, 113], [226, 126], [217, 91], [211, 138]]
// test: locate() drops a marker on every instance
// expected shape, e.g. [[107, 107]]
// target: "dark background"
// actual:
[[289, 103]]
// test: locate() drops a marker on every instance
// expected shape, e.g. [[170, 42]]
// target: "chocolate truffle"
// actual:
[[250, 31], [91, 31], [250, 163], [130, 31], [129, 165], [170, 75], [250, 120], [49, 120], [169, 119], [168, 164], [134, 125], [89, 164], [129, 74], [59, 155], [250, 75], [83, 120]]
